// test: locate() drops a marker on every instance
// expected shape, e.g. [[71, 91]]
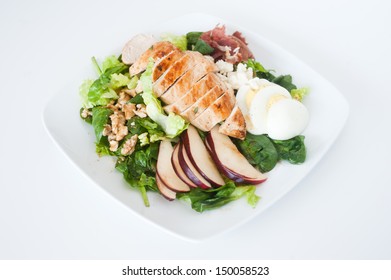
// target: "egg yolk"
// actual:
[[274, 99]]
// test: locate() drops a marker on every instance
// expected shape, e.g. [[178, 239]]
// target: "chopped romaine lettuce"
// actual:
[[299, 93], [110, 62], [179, 41], [83, 92], [118, 80]]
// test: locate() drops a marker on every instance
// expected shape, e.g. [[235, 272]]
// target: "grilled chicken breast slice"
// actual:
[[187, 80], [156, 51], [164, 63], [234, 125], [175, 71], [136, 46], [202, 104], [198, 90], [215, 113]]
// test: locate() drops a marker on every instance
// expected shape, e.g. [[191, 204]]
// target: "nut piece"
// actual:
[[141, 111], [129, 145], [129, 109], [113, 145]]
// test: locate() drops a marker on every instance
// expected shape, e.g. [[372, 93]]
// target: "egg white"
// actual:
[[286, 119], [260, 105]]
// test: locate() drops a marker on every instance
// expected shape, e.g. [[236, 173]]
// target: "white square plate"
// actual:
[[328, 110]]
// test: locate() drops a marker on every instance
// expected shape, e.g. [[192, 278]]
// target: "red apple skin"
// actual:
[[188, 171], [187, 145], [164, 190], [178, 169], [234, 176]]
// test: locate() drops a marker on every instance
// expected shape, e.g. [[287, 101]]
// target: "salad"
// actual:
[[194, 117]]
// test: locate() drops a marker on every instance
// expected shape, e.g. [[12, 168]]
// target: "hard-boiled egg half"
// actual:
[[270, 109]]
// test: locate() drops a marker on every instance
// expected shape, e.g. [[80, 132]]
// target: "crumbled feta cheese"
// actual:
[[241, 76], [224, 67]]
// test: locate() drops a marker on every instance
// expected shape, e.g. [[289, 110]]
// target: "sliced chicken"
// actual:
[[198, 90], [136, 46], [191, 113], [175, 71], [187, 80], [156, 51], [189, 85], [164, 63], [217, 112], [234, 125]]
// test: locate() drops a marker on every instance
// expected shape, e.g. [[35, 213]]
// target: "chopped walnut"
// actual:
[[117, 120], [113, 145], [118, 125], [122, 132], [131, 92], [129, 146], [106, 130], [128, 109], [140, 111], [123, 98], [85, 113]]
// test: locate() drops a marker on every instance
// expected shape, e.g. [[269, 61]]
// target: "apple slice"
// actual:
[[200, 157], [190, 171], [178, 169], [165, 170], [227, 172], [229, 158], [164, 190]]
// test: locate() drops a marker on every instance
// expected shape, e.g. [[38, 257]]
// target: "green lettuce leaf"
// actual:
[[299, 93], [179, 41], [110, 62], [118, 80], [83, 92]]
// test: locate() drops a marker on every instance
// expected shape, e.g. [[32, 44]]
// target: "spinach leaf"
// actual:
[[292, 150], [139, 169], [202, 47], [259, 151], [100, 117], [285, 81], [138, 99], [192, 38], [202, 200], [194, 43]]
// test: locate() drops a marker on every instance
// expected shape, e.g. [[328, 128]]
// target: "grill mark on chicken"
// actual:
[[202, 104], [157, 51], [198, 90], [215, 113], [164, 63], [187, 80], [174, 72]]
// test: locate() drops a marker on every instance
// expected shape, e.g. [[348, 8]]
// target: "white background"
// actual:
[[49, 210]]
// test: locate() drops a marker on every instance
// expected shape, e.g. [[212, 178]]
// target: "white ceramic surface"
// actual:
[[328, 112]]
